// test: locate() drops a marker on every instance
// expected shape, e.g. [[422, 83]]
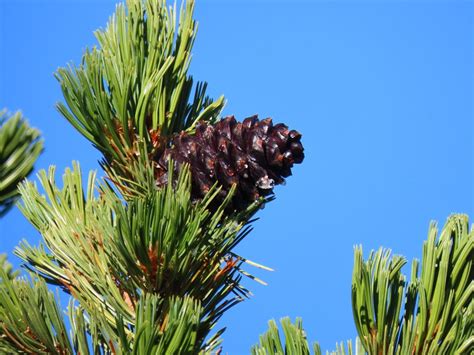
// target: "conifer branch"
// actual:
[[109, 254], [30, 319], [437, 316], [7, 268], [294, 341], [432, 314], [133, 92], [294, 336], [20, 146], [177, 334]]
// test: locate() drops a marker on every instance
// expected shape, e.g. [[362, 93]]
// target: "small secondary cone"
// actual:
[[255, 155]]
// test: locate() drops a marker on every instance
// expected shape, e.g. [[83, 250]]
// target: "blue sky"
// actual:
[[382, 92]]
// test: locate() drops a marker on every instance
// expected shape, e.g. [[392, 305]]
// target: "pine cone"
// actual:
[[255, 155]]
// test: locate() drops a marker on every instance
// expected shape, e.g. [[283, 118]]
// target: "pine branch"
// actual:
[[177, 334], [30, 320], [20, 146], [295, 341], [437, 317], [377, 293], [108, 254], [161, 255], [133, 92], [154, 332], [7, 268]]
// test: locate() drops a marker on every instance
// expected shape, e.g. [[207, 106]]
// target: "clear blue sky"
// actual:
[[382, 92]]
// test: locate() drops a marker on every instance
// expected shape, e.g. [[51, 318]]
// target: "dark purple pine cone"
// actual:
[[255, 155]]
